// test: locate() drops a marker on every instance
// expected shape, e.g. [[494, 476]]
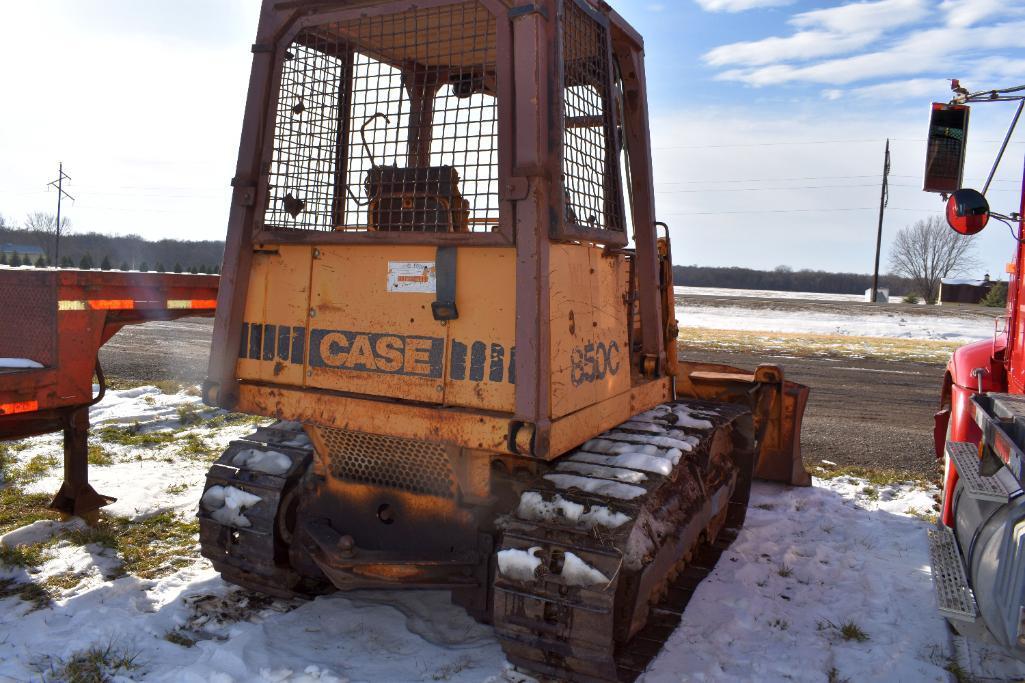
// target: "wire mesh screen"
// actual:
[[588, 165], [389, 123]]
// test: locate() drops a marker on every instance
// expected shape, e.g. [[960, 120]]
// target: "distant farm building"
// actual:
[[8, 249], [954, 291], [882, 295]]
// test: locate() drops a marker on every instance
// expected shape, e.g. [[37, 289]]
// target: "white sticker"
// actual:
[[412, 276]]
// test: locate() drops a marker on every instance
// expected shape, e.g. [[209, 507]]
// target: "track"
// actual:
[[598, 563]]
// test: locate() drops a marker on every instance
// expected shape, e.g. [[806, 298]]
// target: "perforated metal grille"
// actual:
[[589, 168], [966, 459], [389, 123], [953, 596], [28, 310], [405, 464]]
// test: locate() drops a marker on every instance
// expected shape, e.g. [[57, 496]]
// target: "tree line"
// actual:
[[786, 279], [87, 263], [109, 252]]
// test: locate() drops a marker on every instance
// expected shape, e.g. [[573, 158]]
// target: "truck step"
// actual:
[[965, 457], [953, 594]]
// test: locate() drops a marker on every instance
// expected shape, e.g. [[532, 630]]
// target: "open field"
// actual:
[[806, 345]]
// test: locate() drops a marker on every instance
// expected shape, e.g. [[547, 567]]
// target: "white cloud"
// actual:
[[801, 45], [936, 50], [990, 72], [826, 32], [857, 17], [912, 88], [739, 5], [969, 12]]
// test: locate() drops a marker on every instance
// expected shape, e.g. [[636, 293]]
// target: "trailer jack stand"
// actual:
[[76, 497]]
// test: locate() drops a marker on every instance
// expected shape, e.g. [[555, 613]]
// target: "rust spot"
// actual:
[[572, 323]]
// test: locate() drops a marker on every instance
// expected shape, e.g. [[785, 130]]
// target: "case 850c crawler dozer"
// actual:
[[444, 277]]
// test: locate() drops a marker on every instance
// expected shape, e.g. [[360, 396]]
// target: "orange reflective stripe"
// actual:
[[22, 407], [111, 304], [95, 304], [191, 303]]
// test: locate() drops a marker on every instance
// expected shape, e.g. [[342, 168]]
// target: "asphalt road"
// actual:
[[861, 412]]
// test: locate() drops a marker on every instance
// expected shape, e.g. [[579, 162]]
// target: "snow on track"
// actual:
[[807, 561]]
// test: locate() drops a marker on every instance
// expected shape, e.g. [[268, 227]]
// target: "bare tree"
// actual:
[[928, 251], [45, 225]]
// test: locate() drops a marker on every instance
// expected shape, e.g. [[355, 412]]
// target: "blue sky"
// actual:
[[768, 117]]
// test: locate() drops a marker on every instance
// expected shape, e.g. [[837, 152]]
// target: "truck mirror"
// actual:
[[967, 211], [944, 156]]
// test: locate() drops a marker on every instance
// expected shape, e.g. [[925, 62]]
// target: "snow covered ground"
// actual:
[[857, 324], [773, 294], [813, 571], [937, 324]]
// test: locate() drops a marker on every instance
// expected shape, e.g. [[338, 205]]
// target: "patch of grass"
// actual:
[[18, 508], [957, 671], [818, 345], [97, 664], [877, 476], [6, 463], [236, 419], [132, 435], [851, 631], [833, 676], [196, 447], [175, 489], [150, 547], [166, 386], [98, 456], [22, 555], [33, 593], [871, 492], [178, 637], [923, 515], [189, 414], [785, 570], [37, 467], [64, 581]]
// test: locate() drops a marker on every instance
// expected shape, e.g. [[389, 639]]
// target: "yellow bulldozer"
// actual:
[[445, 279]]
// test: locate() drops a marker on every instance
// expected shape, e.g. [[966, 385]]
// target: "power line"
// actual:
[[61, 193], [884, 199], [788, 143]]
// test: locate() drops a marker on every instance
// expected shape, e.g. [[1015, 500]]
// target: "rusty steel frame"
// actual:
[[529, 191], [88, 308]]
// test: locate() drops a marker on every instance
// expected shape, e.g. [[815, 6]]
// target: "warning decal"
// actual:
[[412, 276]]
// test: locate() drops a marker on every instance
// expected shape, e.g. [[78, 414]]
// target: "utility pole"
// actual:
[[884, 199], [59, 184]]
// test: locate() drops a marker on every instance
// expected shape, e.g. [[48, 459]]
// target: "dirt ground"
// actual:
[[873, 413], [869, 413]]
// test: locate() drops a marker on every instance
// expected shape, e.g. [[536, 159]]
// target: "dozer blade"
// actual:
[[777, 405]]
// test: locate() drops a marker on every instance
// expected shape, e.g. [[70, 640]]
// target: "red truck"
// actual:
[[978, 546]]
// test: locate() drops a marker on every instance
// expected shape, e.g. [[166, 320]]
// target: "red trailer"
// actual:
[[52, 325]]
